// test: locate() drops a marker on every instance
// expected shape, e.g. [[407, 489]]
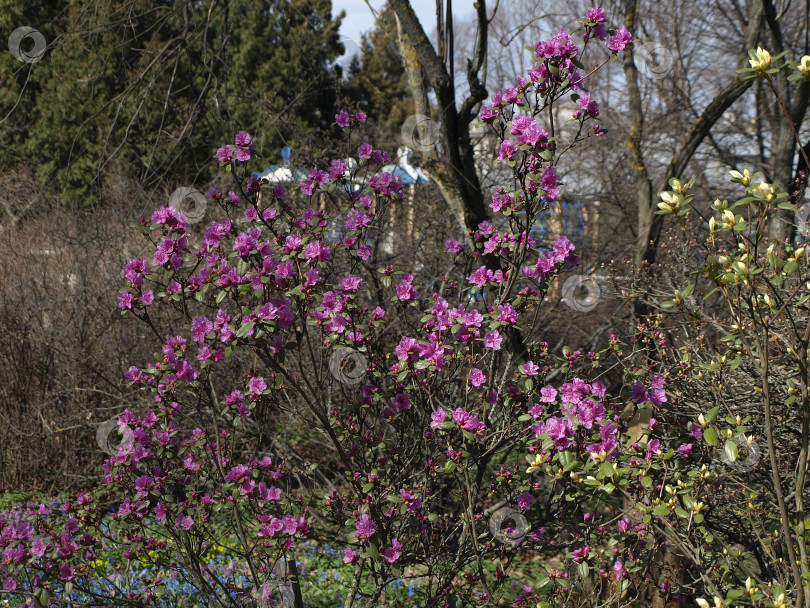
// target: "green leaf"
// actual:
[[711, 415], [647, 482], [681, 513], [710, 436], [710, 293], [661, 511], [583, 569], [245, 329], [731, 451]]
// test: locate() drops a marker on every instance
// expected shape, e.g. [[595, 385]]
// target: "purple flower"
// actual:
[[244, 146], [405, 290], [391, 555], [184, 522], [493, 340], [524, 501], [365, 527], [437, 418], [402, 402], [549, 182], [588, 105], [548, 394], [685, 450], [480, 277], [38, 547], [597, 15], [365, 151], [224, 154], [620, 40], [257, 386], [350, 556], [618, 570], [624, 524], [125, 299], [453, 246], [477, 377], [530, 368], [658, 396], [487, 114], [581, 553], [506, 152], [342, 119], [640, 394], [237, 472]]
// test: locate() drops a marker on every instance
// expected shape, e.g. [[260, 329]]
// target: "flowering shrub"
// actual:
[[462, 409]]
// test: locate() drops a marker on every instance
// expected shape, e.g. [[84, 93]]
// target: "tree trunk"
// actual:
[[784, 147], [454, 170], [650, 224]]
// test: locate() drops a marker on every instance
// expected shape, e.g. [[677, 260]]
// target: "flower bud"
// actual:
[[743, 178], [766, 191], [762, 60], [804, 66]]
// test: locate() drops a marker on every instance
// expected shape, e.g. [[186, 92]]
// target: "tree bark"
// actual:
[[781, 226], [454, 169]]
